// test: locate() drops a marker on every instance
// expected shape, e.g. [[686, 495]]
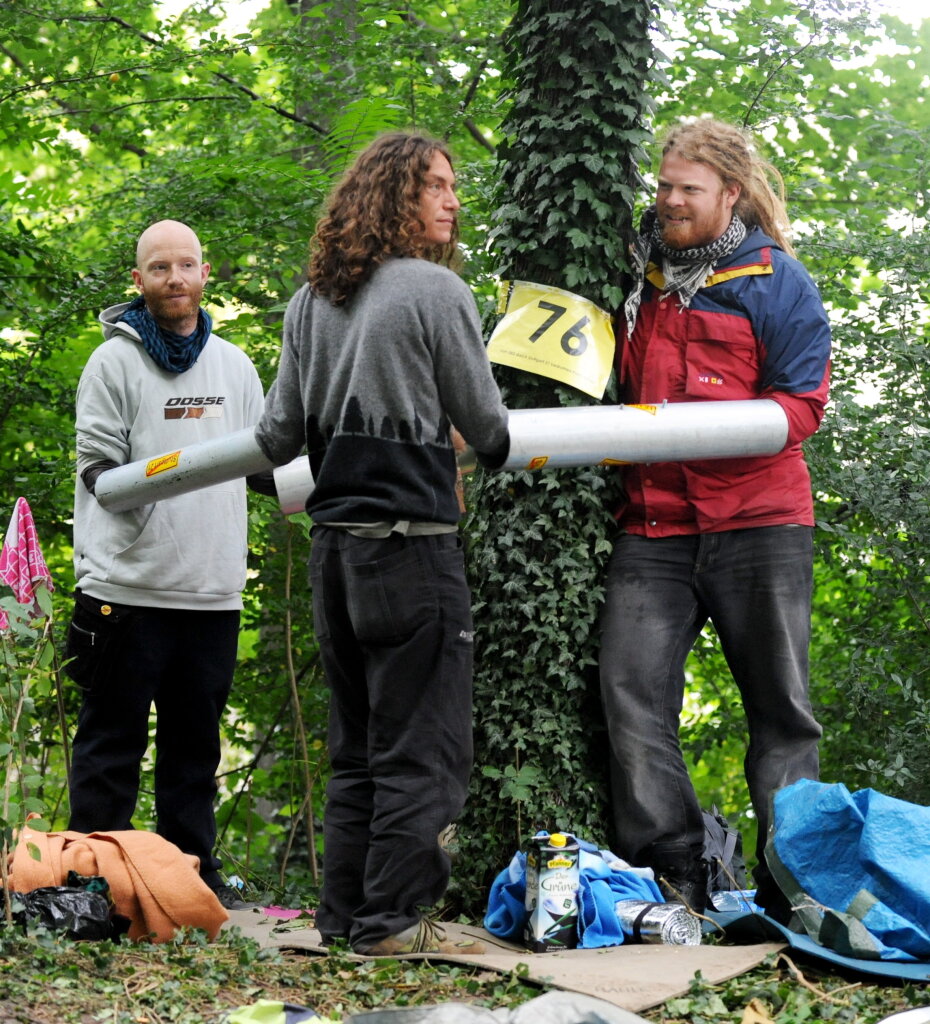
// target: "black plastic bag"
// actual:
[[82, 909]]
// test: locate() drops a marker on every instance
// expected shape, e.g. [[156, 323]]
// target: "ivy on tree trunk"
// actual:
[[538, 542]]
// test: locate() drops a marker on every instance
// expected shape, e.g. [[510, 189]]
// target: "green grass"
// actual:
[[46, 979]]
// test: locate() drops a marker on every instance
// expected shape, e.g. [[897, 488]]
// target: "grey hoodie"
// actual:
[[187, 551]]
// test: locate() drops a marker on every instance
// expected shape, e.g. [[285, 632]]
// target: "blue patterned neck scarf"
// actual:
[[173, 352]]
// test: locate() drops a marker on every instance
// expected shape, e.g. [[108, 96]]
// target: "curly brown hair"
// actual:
[[373, 214], [730, 152]]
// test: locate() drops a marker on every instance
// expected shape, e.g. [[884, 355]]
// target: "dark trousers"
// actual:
[[182, 662], [755, 586], [393, 621]]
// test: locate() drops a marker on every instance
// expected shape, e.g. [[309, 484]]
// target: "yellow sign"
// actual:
[[555, 334], [162, 463]]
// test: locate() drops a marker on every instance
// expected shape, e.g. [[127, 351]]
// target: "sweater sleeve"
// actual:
[[101, 425], [281, 431], [795, 335], [467, 388]]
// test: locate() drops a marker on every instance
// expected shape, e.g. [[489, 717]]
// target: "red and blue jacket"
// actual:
[[756, 329]]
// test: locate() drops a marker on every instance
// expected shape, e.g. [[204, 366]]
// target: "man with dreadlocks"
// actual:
[[718, 309], [159, 588], [382, 354]]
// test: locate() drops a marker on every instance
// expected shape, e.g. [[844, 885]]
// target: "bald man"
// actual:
[[158, 588]]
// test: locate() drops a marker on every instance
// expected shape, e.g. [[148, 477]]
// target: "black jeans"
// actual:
[[393, 621], [755, 586], [182, 662]]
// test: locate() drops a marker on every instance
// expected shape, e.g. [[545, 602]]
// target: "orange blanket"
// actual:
[[152, 883]]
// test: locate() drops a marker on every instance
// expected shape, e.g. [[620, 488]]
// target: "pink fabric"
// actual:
[[21, 561], [286, 913]]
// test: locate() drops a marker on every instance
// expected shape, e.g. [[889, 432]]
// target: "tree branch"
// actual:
[[475, 132], [445, 78], [271, 106], [773, 74], [154, 41], [473, 129], [164, 99], [94, 129]]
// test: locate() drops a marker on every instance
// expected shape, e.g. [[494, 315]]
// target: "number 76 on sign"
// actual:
[[554, 333]]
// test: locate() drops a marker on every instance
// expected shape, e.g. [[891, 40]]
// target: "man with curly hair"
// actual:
[[382, 356]]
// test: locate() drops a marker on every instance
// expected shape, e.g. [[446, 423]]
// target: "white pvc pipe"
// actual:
[[591, 435], [294, 484], [587, 435], [185, 469]]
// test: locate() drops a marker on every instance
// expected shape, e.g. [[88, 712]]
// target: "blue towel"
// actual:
[[506, 914], [604, 880], [603, 884]]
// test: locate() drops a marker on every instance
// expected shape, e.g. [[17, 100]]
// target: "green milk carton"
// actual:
[[552, 880]]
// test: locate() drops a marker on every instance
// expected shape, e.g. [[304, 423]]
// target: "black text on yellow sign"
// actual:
[[555, 334]]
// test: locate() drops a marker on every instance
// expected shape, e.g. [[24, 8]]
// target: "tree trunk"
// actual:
[[538, 542]]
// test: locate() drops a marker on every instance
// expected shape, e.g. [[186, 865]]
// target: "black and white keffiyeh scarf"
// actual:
[[173, 352], [685, 270]]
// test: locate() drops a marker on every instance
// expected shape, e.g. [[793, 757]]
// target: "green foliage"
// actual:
[[572, 146], [872, 471], [48, 978], [112, 115], [27, 674], [784, 996], [275, 793]]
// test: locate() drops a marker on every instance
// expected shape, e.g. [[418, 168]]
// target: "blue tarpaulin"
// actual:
[[856, 868]]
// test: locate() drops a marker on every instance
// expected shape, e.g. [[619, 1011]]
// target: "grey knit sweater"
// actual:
[[371, 388]]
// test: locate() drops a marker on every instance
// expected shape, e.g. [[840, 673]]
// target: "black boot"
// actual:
[[770, 897], [681, 874]]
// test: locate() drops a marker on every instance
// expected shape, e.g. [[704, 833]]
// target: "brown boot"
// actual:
[[425, 937]]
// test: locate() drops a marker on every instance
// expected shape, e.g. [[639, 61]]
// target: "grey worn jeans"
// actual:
[[755, 587]]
